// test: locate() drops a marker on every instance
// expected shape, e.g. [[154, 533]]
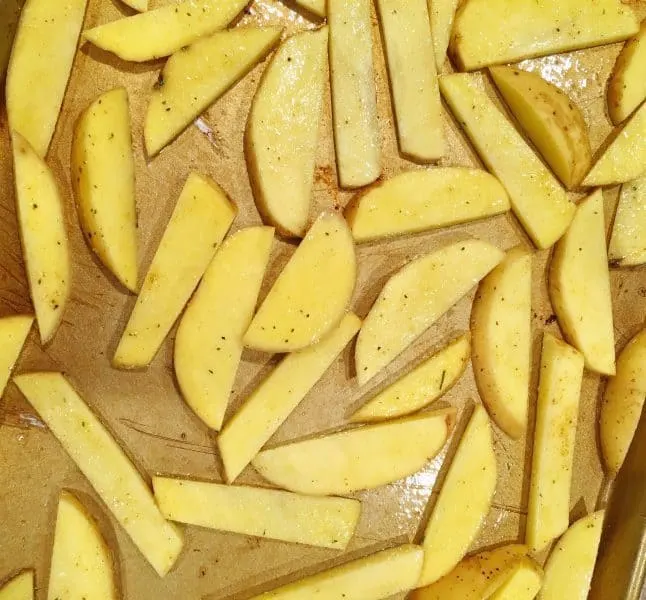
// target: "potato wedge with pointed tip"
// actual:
[[13, 333], [19, 587], [442, 17], [524, 582], [627, 246]]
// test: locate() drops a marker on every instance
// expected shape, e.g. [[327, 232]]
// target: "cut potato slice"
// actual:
[[200, 221], [375, 577], [413, 78], [196, 76], [278, 395], [442, 16], [282, 132], [43, 235], [103, 177], [622, 402], [316, 7], [354, 96], [523, 583], [502, 342], [628, 241], [82, 566], [464, 500], [491, 32], [418, 388], [261, 512], [13, 333], [109, 471], [20, 587], [550, 119], [208, 344], [357, 459], [568, 571], [418, 201], [537, 199], [417, 296], [312, 293], [138, 5], [556, 422], [40, 67], [579, 284]]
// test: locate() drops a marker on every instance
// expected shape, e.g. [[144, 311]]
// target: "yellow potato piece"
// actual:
[[20, 587], [622, 403], [40, 66], [82, 566], [537, 199], [260, 512], [195, 77], [556, 422], [416, 201], [627, 246], [464, 500], [316, 7], [278, 395], [208, 344], [568, 571], [103, 177], [282, 132], [311, 294], [13, 333], [502, 342], [99, 457], [357, 459], [44, 238], [419, 387], [354, 99], [523, 583], [375, 577], [138, 5], [417, 296], [200, 221], [579, 284], [413, 78], [490, 32], [442, 16]]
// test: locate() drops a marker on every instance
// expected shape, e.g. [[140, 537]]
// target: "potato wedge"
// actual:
[[627, 246], [282, 131], [196, 76], [502, 343], [579, 285], [419, 387], [13, 333], [375, 577], [417, 201], [82, 566], [357, 459], [492, 32], [442, 14], [550, 119], [19, 587], [208, 344], [556, 422], [622, 403], [261, 512], [315, 7], [413, 78], [354, 96], [44, 237], [537, 199], [464, 500], [103, 178], [568, 571], [311, 294], [40, 67], [523, 583], [167, 29], [9, 17], [278, 395], [200, 221], [99, 457], [417, 296]]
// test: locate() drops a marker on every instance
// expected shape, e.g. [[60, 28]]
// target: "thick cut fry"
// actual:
[[442, 15], [208, 345], [20, 587], [196, 76], [282, 132], [278, 395], [103, 177], [464, 500], [523, 583], [109, 471], [556, 421], [579, 284], [537, 199], [13, 333], [417, 296], [200, 221], [354, 99], [43, 236], [261, 512], [418, 201], [628, 241]]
